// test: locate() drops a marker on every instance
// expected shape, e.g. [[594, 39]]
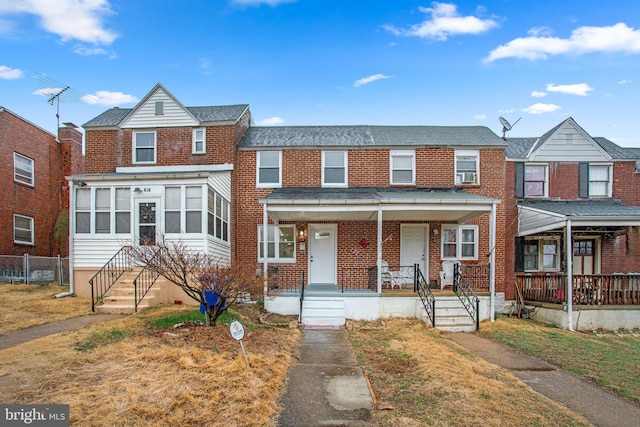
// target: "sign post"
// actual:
[[237, 332]]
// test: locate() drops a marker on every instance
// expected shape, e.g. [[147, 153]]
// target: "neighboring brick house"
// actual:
[[568, 186], [34, 190]]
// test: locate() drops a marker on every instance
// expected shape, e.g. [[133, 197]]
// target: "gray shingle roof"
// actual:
[[349, 136], [615, 150], [518, 148], [585, 208], [372, 194]]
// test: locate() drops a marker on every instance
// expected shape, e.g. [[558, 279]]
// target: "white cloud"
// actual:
[[540, 31], [540, 108], [480, 117], [509, 110], [8, 73], [366, 80], [580, 89], [445, 22], [70, 19], [272, 3], [538, 94], [615, 38], [271, 121], [109, 99], [624, 82], [89, 51]]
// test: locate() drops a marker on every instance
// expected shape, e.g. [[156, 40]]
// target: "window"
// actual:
[[23, 229], [218, 219], [199, 143], [103, 209], [269, 169], [535, 180], [144, 147], [334, 168], [542, 255], [599, 181], [459, 242], [403, 167], [159, 108], [83, 210], [280, 243], [193, 209], [123, 210], [172, 210], [467, 167], [22, 169]]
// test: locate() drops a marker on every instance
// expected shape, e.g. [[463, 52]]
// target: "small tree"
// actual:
[[213, 283]]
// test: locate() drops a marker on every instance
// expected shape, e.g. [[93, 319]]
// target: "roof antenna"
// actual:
[[506, 126], [56, 91]]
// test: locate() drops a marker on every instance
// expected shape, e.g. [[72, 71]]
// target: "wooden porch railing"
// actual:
[[600, 289]]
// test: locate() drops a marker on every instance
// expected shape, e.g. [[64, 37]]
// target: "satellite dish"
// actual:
[[506, 126]]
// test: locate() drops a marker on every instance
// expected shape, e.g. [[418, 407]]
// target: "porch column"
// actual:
[[569, 292], [265, 244], [492, 263], [379, 255]]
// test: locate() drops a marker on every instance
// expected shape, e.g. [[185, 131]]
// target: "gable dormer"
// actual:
[[567, 142], [159, 108]]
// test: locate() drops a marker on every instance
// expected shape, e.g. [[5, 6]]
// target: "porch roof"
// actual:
[[537, 216], [362, 204]]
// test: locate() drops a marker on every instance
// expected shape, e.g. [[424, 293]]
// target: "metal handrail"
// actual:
[[301, 297], [147, 277], [109, 274], [426, 296], [467, 296]]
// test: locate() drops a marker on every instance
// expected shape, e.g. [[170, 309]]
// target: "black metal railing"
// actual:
[[301, 298], [143, 282], [467, 296], [426, 296], [282, 279], [109, 274]]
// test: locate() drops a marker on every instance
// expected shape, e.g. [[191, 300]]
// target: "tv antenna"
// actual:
[[56, 92], [506, 126]]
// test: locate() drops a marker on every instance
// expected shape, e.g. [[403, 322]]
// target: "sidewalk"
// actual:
[[599, 406]]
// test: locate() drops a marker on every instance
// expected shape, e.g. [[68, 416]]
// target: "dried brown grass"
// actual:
[[25, 306], [154, 379], [437, 382]]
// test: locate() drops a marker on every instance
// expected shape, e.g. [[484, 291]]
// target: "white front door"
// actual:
[[414, 248], [322, 253], [147, 221]]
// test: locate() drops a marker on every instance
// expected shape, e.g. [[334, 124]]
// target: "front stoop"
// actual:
[[323, 312], [120, 298], [451, 316]]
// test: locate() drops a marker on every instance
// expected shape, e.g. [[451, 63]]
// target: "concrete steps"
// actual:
[[451, 316], [323, 311], [120, 299]]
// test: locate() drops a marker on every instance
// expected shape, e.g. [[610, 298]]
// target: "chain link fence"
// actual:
[[34, 269]]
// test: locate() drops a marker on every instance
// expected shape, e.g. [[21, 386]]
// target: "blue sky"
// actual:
[[324, 62]]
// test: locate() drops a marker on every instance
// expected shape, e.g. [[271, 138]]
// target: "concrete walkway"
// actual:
[[599, 406]]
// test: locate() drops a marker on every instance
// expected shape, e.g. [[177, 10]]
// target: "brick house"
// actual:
[[572, 206], [349, 209], [34, 191]]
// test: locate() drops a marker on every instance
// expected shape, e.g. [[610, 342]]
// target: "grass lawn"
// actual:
[[610, 361]]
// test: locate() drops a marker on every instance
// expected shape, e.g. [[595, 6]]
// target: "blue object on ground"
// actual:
[[212, 299]]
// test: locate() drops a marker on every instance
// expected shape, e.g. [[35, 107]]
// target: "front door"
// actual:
[[414, 250], [147, 218], [583, 256], [322, 253]]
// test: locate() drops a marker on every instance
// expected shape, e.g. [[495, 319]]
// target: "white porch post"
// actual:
[[492, 263], [379, 258], [265, 244], [569, 292]]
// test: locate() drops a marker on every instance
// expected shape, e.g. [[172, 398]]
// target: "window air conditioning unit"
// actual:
[[467, 177]]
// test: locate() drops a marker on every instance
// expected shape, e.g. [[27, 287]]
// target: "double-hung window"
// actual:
[[281, 243], [23, 229], [269, 169], [103, 210], [599, 180], [467, 167], [193, 209], [334, 168], [144, 147], [199, 141], [542, 255], [172, 205], [22, 169], [83, 210], [123, 210], [402, 166], [218, 216], [535, 180], [459, 242]]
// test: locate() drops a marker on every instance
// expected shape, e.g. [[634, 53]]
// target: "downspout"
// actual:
[[379, 254], [569, 292], [492, 263], [72, 227], [265, 243]]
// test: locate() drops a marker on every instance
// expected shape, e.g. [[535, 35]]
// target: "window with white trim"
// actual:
[[467, 167], [199, 141], [123, 210], [193, 209], [402, 164], [600, 180], [459, 242], [268, 169], [218, 216], [334, 168], [535, 180], [144, 147], [83, 210], [542, 255], [172, 208], [102, 211], [281, 243], [23, 169], [22, 230]]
